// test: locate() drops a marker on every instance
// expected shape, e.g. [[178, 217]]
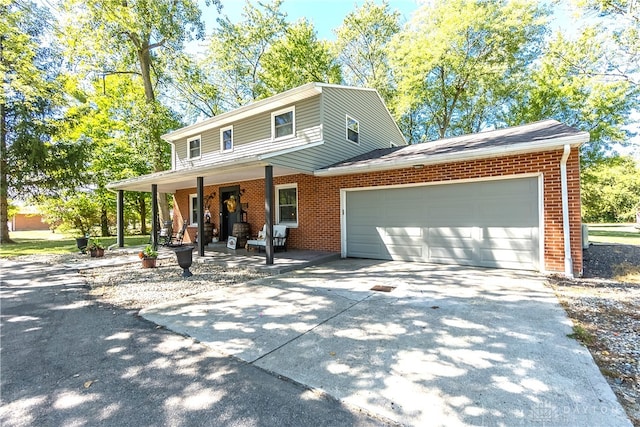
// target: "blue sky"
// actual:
[[326, 15]]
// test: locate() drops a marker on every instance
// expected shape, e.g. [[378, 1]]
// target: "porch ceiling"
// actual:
[[170, 181]]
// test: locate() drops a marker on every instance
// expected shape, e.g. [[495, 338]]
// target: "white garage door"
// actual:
[[489, 223]]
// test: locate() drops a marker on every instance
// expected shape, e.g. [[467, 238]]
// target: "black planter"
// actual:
[[185, 259], [82, 243]]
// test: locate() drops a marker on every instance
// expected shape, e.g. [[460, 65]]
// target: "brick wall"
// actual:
[[319, 199], [26, 222]]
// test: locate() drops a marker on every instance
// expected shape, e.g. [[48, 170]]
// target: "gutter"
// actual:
[[568, 261], [464, 155]]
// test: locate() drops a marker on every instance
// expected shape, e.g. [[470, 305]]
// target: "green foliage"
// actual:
[[296, 59], [571, 84], [362, 47], [236, 51], [149, 252], [457, 60], [611, 190], [79, 212], [94, 244], [36, 158]]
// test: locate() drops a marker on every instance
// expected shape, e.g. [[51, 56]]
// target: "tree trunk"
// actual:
[[4, 188], [144, 59], [142, 208], [104, 223]]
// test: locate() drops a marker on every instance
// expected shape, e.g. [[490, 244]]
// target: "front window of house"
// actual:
[[287, 204], [283, 123], [193, 146], [353, 130], [226, 139], [193, 208]]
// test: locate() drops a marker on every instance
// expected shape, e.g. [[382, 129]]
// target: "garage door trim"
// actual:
[[540, 201]]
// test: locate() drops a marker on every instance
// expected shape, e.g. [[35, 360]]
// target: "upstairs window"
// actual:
[[193, 148], [353, 130], [226, 139], [283, 123]]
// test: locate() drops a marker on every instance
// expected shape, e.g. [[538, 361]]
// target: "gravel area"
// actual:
[[604, 304], [133, 287], [605, 307]]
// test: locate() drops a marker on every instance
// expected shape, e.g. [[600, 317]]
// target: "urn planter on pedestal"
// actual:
[[185, 259]]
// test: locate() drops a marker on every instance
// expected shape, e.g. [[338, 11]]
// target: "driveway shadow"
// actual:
[[449, 345]]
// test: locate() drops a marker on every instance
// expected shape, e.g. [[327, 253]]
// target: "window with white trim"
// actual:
[[287, 204], [283, 123], [353, 130], [193, 148], [226, 139], [193, 209]]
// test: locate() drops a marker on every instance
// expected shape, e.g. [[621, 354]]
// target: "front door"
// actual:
[[229, 197]]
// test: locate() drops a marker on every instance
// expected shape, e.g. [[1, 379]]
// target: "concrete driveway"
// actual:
[[447, 346]]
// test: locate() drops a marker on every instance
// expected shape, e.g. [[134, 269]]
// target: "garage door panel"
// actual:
[[504, 258], [435, 233], [490, 223], [509, 232], [403, 252], [450, 255], [403, 231]]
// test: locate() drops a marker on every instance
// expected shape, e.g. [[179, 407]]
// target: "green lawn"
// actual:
[[614, 233], [46, 242]]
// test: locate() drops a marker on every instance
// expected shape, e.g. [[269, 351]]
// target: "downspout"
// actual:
[[568, 261]]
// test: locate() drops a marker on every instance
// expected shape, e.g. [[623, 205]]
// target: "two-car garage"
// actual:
[[494, 223]]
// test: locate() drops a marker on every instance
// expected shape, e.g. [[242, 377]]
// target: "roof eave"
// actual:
[[466, 155], [280, 100]]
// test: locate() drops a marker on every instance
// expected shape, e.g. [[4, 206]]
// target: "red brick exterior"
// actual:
[[27, 222], [319, 199]]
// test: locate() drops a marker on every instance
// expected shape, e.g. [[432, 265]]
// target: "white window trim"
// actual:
[[191, 198], [293, 122], [346, 129], [277, 188], [222, 131], [392, 144], [193, 138]]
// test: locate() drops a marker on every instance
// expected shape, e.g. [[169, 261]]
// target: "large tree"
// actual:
[[128, 37], [571, 82], [456, 60], [236, 51], [297, 58], [611, 190], [362, 46], [35, 158]]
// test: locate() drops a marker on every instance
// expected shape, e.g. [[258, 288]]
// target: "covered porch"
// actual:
[[238, 171]]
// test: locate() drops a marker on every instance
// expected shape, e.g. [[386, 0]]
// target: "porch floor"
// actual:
[[293, 259]]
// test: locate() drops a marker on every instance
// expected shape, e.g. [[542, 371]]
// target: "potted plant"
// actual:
[[95, 248], [148, 257]]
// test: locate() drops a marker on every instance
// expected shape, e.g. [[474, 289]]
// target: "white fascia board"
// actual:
[[168, 176], [280, 100], [465, 155]]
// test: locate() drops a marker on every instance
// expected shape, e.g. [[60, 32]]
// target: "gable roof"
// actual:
[[530, 138]]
